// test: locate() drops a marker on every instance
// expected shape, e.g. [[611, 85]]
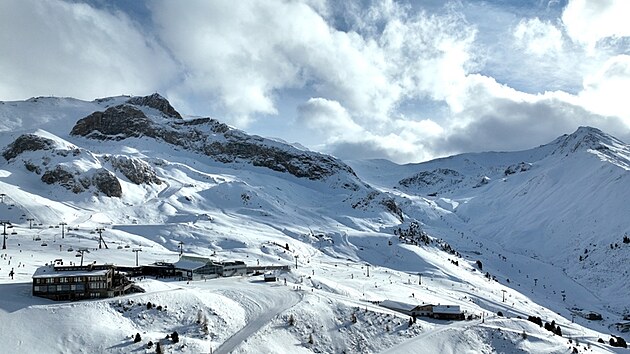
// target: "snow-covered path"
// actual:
[[267, 307]]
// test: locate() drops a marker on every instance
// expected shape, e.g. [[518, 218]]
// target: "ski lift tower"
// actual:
[[4, 233], [136, 250], [82, 251], [101, 241], [63, 225]]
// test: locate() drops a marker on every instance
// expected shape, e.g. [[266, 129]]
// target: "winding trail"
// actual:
[[267, 307]]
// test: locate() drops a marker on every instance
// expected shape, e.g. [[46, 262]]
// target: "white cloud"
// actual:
[[589, 21], [538, 38], [54, 47], [606, 90], [497, 117], [328, 117], [242, 55]]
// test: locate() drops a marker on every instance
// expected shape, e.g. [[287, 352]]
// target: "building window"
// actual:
[[98, 285]]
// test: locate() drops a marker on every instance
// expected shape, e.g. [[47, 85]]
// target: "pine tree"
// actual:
[[158, 349], [291, 320], [310, 339], [137, 338], [479, 265], [175, 337]]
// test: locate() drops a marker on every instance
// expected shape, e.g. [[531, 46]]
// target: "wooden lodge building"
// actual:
[[194, 267], [72, 282], [441, 312]]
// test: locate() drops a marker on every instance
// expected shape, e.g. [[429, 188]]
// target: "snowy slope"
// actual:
[[563, 203], [214, 196]]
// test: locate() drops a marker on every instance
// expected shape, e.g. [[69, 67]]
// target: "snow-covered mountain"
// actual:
[[547, 225], [564, 202]]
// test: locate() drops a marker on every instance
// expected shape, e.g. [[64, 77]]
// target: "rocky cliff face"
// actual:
[[435, 180], [27, 142], [158, 102], [56, 165], [206, 136], [116, 123], [136, 170], [104, 181]]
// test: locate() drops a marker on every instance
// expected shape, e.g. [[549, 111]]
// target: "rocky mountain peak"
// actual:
[[156, 101], [208, 137], [584, 138]]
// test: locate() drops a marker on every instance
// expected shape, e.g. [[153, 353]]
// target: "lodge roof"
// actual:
[[188, 264], [450, 309], [50, 271], [397, 305]]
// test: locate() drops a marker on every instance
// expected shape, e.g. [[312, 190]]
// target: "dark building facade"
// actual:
[[58, 282]]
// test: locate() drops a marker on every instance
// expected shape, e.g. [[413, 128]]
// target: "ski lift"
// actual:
[[44, 244], [37, 238], [70, 249], [120, 247]]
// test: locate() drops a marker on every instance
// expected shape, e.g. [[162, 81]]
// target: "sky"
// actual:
[[406, 81]]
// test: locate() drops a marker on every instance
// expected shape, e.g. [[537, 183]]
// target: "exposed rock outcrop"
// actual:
[[104, 181], [136, 170], [519, 167], [107, 183], [440, 176], [209, 137], [60, 175], [27, 142], [116, 123], [156, 101]]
